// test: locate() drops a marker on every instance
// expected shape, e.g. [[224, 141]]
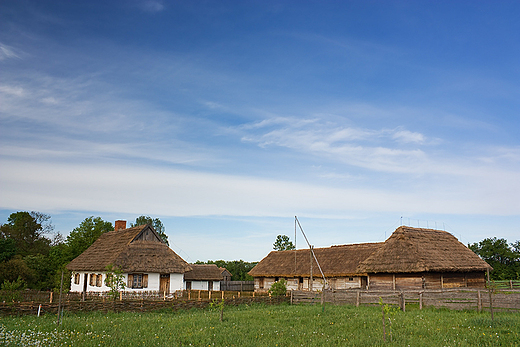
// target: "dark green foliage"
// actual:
[[14, 268], [237, 268], [85, 234], [283, 243], [7, 249], [503, 257], [278, 288], [27, 229], [155, 222]]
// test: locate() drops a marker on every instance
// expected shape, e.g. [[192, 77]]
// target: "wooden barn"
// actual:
[[411, 258], [300, 269], [148, 264]]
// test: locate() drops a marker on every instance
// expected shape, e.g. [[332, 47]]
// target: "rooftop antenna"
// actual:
[[312, 252]]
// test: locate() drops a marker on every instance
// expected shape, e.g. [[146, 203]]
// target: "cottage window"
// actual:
[[99, 280], [76, 278], [351, 278], [92, 280], [137, 281]]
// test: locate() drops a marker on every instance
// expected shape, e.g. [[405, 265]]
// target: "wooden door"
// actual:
[[164, 284]]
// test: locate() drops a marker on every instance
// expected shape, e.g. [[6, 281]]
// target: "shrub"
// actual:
[[278, 288]]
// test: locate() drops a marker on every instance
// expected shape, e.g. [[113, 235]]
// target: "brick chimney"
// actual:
[[120, 224]]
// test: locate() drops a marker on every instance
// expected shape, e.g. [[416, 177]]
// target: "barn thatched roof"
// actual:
[[125, 249], [406, 250], [422, 250], [334, 261], [204, 272]]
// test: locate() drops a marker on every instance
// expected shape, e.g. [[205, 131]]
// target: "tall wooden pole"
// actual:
[[311, 279]]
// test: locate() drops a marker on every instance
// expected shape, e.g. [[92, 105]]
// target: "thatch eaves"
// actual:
[[334, 261], [204, 272], [410, 250], [136, 249]]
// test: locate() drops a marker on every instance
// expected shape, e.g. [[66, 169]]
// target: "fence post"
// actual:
[[490, 296], [420, 301], [50, 300], [357, 298], [511, 284]]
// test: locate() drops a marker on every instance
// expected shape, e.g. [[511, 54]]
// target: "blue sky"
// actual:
[[225, 119]]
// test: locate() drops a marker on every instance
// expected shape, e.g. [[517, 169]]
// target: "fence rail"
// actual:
[[237, 286], [52, 297], [127, 305], [458, 299]]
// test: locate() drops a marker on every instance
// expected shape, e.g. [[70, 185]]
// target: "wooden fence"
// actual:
[[53, 297], [458, 299], [184, 300], [237, 286]]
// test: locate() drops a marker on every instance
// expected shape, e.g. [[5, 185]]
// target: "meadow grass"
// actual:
[[262, 325]]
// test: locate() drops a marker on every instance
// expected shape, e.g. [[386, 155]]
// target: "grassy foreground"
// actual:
[[260, 325]]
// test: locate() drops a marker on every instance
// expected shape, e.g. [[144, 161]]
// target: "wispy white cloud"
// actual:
[[7, 52], [406, 136], [12, 90], [350, 145], [171, 192], [150, 5]]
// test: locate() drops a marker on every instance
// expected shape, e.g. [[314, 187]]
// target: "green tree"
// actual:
[[504, 258], [7, 249], [115, 280], [85, 234], [283, 243], [155, 223], [14, 268], [27, 229], [278, 288]]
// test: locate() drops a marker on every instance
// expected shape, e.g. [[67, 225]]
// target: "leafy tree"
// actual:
[[85, 234], [504, 258], [283, 243], [115, 280], [7, 249], [155, 223], [27, 229], [14, 268], [278, 288]]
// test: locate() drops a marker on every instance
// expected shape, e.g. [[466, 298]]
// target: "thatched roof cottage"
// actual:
[[411, 258], [147, 263]]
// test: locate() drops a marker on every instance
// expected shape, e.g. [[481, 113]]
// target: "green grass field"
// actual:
[[260, 325]]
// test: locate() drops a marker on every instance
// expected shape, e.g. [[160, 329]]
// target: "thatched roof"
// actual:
[[407, 250], [123, 248], [204, 272], [334, 261], [422, 250]]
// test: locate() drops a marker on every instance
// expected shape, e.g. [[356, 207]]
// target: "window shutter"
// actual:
[[91, 281], [130, 281], [145, 281]]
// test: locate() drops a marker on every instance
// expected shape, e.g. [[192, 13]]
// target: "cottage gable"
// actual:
[[136, 249]]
